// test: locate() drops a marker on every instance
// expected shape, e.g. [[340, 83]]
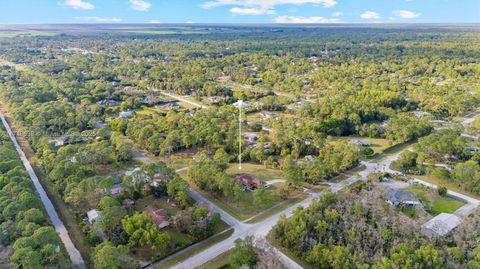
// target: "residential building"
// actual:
[[159, 216]]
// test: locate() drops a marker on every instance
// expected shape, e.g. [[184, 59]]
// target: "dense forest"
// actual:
[[25, 231], [358, 229]]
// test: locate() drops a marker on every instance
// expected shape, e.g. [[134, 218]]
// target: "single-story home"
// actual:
[[440, 225], [251, 137], [240, 103], [126, 114], [93, 215], [160, 216], [399, 198], [361, 142], [249, 182], [116, 189], [128, 202]]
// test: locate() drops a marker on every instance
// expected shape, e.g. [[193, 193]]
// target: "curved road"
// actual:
[[62, 232]]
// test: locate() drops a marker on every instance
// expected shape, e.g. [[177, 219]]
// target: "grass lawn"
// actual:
[[379, 145], [220, 262], [145, 110], [244, 208], [277, 208], [448, 184], [434, 203], [175, 259], [257, 170]]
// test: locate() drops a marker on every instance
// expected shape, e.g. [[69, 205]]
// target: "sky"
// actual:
[[239, 11]]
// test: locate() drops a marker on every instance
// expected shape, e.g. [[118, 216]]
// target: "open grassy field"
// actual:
[[244, 208], [448, 184], [30, 33], [257, 170], [277, 208], [379, 145], [165, 32], [434, 203]]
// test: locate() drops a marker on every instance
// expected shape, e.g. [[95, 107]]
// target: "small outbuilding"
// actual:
[[93, 215], [126, 114]]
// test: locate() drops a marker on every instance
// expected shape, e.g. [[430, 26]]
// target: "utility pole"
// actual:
[[240, 103]]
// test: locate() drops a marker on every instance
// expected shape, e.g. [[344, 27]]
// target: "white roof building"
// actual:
[[440, 225], [125, 114], [93, 215], [241, 103]]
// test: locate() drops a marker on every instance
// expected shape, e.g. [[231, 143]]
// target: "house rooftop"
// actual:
[[441, 225], [160, 216], [399, 197], [93, 215]]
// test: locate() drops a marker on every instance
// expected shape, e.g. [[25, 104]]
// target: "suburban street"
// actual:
[[62, 232]]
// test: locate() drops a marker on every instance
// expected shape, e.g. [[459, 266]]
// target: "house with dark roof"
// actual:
[[249, 182], [159, 216], [401, 198]]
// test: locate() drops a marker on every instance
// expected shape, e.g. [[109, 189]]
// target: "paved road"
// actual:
[[472, 137], [225, 216], [274, 181], [74, 254], [174, 96], [259, 230], [194, 194]]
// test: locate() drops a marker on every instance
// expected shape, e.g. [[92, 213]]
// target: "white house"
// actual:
[[361, 143], [125, 114], [251, 137], [93, 215], [240, 103]]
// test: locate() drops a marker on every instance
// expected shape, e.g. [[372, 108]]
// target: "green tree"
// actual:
[[243, 253], [108, 256], [143, 231]]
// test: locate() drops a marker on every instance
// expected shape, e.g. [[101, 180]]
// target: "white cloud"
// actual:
[[79, 4], [299, 19], [406, 14], [154, 21], [251, 11], [140, 5], [98, 19], [189, 22], [257, 7], [369, 15], [337, 14]]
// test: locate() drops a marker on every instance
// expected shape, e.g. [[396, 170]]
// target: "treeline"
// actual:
[[25, 229], [447, 156]]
